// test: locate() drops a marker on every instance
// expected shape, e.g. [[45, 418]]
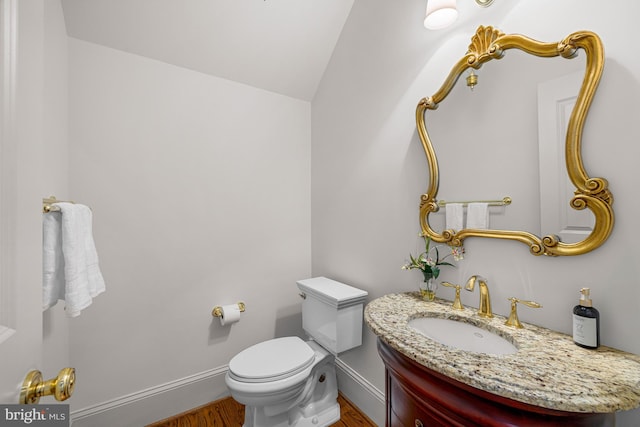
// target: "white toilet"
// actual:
[[286, 382]]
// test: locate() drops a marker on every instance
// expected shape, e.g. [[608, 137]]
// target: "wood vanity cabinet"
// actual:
[[420, 397]]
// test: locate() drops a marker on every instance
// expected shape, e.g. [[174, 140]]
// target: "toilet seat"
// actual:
[[271, 360]]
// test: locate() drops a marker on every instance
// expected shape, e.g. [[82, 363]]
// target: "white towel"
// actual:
[[70, 261], [454, 216], [52, 260], [478, 216]]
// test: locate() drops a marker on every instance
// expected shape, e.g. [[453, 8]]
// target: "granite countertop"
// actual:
[[548, 370]]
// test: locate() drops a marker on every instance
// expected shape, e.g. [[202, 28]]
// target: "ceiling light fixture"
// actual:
[[442, 13]]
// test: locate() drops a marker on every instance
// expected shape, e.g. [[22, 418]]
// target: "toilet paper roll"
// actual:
[[230, 314]]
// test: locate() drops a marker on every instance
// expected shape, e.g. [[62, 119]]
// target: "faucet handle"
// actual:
[[513, 317], [457, 305]]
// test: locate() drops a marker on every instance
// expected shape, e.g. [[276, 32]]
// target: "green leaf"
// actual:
[[413, 260]]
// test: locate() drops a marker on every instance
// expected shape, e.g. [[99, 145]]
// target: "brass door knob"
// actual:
[[61, 387]]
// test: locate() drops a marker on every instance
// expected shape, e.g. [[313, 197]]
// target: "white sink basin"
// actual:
[[462, 336]]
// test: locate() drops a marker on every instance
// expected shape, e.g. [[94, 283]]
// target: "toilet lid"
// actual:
[[272, 360]]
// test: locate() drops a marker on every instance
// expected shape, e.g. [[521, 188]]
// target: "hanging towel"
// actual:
[[52, 260], [454, 216], [478, 216], [70, 261]]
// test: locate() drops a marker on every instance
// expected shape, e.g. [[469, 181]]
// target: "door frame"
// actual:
[[21, 178]]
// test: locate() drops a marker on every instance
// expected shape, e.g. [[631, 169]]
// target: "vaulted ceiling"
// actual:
[[281, 46]]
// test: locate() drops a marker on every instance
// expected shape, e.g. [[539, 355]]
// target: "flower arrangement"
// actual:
[[429, 262]]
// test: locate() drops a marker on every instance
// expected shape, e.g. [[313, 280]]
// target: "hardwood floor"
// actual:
[[229, 413]]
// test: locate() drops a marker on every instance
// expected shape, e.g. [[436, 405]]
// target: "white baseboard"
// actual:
[[172, 398], [155, 403], [367, 397]]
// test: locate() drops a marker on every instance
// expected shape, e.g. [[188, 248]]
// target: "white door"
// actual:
[[556, 99], [20, 202]]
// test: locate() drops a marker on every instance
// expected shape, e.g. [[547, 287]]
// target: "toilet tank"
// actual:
[[332, 313]]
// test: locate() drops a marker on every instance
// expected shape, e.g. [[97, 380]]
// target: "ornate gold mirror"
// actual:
[[590, 195]]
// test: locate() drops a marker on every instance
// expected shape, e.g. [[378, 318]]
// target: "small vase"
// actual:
[[428, 289]]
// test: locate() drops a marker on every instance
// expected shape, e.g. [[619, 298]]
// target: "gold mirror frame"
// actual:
[[489, 43]]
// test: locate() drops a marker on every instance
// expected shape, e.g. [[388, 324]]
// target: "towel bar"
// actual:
[[504, 202], [47, 204]]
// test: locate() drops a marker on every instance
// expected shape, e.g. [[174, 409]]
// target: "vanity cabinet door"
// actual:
[[420, 397], [409, 410]]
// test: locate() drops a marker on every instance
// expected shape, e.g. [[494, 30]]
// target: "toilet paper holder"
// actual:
[[217, 310]]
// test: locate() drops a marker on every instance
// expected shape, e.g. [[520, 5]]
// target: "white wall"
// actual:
[[369, 170], [200, 195]]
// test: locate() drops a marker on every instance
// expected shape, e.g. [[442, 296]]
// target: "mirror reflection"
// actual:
[[490, 136], [507, 136]]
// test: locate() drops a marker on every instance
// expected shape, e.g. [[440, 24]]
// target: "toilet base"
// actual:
[[325, 418], [315, 403]]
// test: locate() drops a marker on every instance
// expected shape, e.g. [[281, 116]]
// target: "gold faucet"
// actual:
[[457, 305], [513, 317], [484, 308]]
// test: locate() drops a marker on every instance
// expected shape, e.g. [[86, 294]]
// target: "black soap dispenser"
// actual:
[[586, 322]]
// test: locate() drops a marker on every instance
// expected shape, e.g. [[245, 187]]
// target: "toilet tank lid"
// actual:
[[332, 292]]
